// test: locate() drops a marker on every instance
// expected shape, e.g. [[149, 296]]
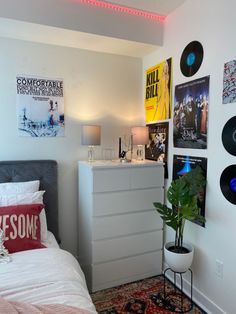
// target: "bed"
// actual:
[[42, 277]]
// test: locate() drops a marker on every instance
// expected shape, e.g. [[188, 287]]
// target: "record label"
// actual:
[[228, 183], [191, 58], [229, 136]]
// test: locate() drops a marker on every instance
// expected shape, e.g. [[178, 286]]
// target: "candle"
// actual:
[[119, 147]]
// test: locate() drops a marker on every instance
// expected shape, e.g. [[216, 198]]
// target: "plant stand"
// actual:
[[175, 298]]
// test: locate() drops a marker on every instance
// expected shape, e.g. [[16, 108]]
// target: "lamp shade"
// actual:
[[140, 135], [91, 135]]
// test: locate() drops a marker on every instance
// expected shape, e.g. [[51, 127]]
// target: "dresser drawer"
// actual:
[[125, 201], [121, 179], [112, 249], [147, 177], [111, 179], [113, 226], [126, 270]]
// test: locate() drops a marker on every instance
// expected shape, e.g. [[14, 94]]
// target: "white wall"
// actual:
[[213, 24], [98, 88]]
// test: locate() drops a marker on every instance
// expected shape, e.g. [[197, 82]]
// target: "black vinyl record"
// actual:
[[229, 136], [191, 58], [228, 183]]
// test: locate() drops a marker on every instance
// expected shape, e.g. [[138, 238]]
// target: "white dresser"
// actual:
[[120, 233]]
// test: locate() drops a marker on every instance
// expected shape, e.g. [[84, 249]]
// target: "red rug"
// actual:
[[142, 297]]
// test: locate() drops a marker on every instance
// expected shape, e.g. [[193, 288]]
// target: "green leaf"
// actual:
[[195, 180], [168, 215], [177, 192], [183, 194]]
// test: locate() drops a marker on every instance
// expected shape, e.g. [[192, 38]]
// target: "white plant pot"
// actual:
[[178, 262]]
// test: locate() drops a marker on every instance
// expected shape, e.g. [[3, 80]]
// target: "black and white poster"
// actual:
[[182, 165], [157, 148], [191, 114], [40, 106], [229, 82]]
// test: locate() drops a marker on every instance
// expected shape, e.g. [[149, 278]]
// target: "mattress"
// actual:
[[36, 276]]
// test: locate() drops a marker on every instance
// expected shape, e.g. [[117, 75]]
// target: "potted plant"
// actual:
[[183, 194]]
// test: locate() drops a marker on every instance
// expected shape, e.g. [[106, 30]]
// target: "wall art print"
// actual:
[[182, 165], [40, 106], [158, 92], [157, 148], [229, 82], [191, 114]]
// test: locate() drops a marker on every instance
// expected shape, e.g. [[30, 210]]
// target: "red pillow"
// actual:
[[21, 224]]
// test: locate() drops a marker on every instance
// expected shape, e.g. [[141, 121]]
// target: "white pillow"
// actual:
[[18, 199], [28, 198], [10, 188]]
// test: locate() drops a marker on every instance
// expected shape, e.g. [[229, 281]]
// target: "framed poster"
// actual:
[[182, 165], [229, 82], [157, 148], [40, 106], [191, 114], [158, 92]]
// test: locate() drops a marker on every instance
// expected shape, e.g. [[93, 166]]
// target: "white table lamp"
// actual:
[[140, 135], [91, 136]]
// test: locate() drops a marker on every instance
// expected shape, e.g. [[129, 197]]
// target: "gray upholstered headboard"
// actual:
[[43, 170]]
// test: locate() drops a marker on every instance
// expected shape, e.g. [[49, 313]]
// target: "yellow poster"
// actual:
[[158, 102]]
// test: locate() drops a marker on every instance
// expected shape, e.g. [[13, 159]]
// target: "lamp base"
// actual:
[[140, 153], [124, 160], [91, 153]]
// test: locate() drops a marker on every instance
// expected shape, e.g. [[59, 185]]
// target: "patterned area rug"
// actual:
[[143, 297]]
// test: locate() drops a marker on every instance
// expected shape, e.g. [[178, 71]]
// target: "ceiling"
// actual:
[[163, 7], [25, 24]]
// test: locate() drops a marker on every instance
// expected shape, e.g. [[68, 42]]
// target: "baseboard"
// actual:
[[198, 297]]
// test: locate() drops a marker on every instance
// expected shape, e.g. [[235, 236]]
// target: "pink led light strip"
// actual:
[[123, 9]]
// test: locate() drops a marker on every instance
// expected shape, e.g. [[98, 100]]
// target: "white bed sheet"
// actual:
[[51, 241], [45, 276]]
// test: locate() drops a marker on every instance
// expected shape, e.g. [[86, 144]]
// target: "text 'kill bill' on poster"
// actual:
[[158, 100]]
